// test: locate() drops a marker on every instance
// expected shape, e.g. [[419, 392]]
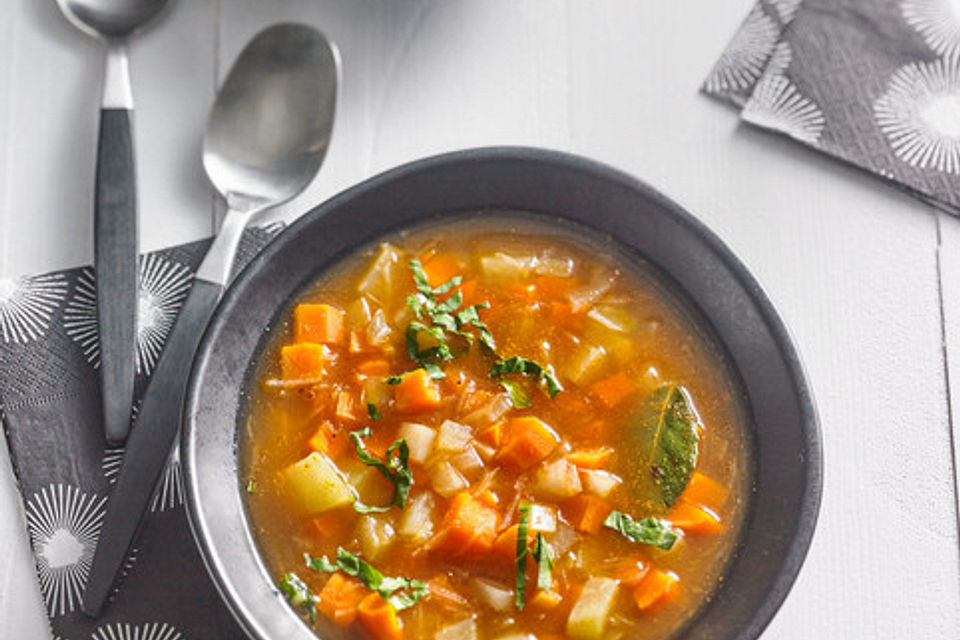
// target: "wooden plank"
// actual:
[[949, 267], [851, 264], [51, 75]]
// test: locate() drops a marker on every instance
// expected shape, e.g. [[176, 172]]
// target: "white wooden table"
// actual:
[[867, 279]]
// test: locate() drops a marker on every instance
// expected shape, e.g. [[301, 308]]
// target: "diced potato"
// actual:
[[315, 484], [543, 518], [468, 463], [378, 331], [588, 618], [375, 535], [502, 267], [452, 437], [358, 314], [557, 267], [368, 483], [446, 480], [463, 630], [495, 596], [384, 274], [485, 452], [599, 482], [582, 297], [416, 521], [419, 440], [611, 317], [375, 391], [557, 480], [585, 364], [490, 412], [564, 539]]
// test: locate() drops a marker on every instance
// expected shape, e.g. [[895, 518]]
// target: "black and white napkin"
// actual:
[[50, 401], [873, 82]]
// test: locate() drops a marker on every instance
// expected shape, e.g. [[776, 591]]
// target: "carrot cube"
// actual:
[[379, 618], [705, 490], [318, 324], [590, 458], [586, 512], [416, 392], [305, 361], [631, 571], [505, 546], [492, 436], [440, 268], [526, 441], [469, 528], [545, 601], [658, 586], [374, 368], [613, 390], [340, 598], [694, 519]]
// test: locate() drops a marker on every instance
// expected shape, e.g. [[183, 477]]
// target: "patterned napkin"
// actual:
[[873, 82], [50, 401]]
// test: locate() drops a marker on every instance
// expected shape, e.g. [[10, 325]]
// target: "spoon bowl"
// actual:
[[269, 129], [107, 19]]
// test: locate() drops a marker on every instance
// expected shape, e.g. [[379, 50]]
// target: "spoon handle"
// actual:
[[149, 445], [158, 420], [115, 232]]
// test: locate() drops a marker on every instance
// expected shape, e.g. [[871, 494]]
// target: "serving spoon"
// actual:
[[266, 138], [115, 204]]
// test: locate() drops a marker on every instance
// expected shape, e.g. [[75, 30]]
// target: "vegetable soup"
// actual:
[[490, 429]]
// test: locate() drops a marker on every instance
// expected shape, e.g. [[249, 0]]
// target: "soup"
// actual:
[[494, 431]]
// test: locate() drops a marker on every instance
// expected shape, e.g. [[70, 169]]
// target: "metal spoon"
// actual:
[[115, 204], [266, 138]]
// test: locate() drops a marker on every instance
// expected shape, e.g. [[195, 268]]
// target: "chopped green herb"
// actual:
[[251, 486], [516, 364], [299, 594], [402, 593], [519, 397], [395, 469], [393, 379], [373, 411], [544, 558], [445, 321], [523, 526], [320, 564], [652, 531]]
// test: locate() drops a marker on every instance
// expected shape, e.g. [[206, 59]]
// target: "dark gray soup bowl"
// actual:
[[694, 263]]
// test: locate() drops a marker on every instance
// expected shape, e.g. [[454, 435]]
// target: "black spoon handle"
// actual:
[[115, 231], [150, 443]]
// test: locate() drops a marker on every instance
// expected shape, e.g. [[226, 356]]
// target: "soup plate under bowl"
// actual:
[[695, 264]]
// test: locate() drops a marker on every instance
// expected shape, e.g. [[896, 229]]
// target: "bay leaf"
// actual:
[[668, 434]]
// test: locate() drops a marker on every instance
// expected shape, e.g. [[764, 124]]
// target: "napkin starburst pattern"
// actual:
[[920, 114], [777, 104], [743, 61], [149, 631], [163, 286], [938, 21], [169, 492], [64, 524], [27, 304]]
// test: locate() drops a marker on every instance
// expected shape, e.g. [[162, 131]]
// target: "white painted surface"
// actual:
[[855, 267]]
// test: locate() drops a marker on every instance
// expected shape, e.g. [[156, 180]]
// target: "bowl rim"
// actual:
[[811, 435]]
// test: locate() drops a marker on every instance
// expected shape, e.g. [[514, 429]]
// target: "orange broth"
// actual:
[[610, 334]]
